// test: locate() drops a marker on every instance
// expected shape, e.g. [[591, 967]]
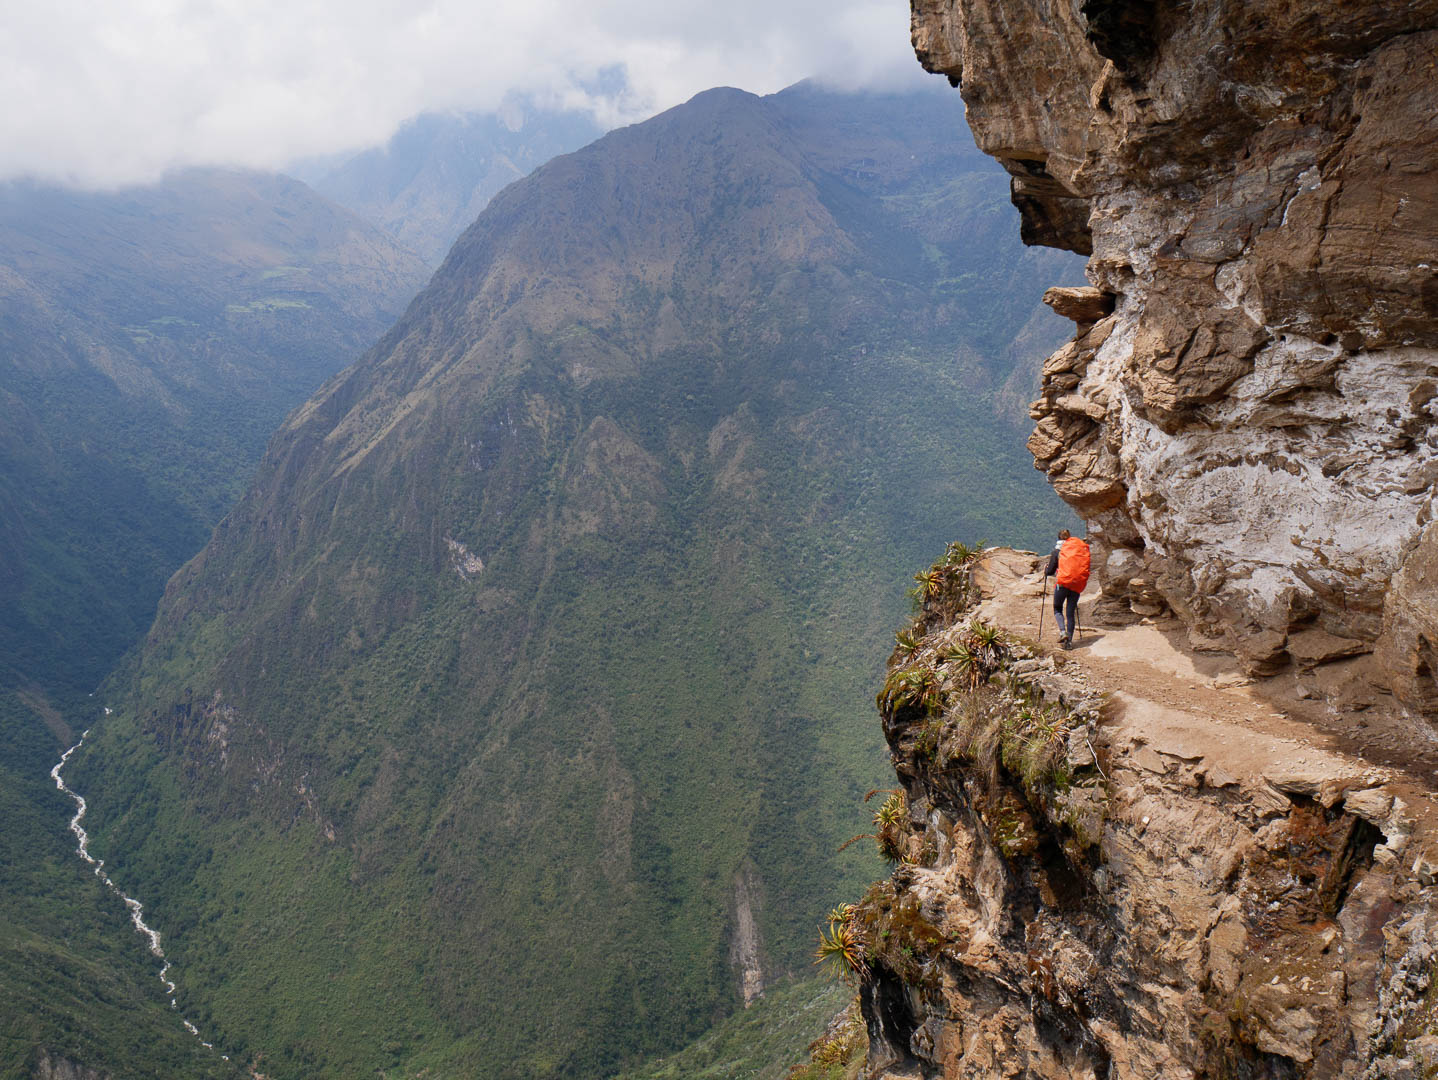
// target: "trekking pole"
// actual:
[[1043, 604]]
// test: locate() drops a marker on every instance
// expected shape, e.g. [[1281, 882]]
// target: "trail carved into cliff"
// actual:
[[1130, 856], [1258, 730]]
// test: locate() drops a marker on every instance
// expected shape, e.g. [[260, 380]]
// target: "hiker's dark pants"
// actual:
[[1065, 609]]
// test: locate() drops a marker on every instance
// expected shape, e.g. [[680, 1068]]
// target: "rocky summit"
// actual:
[[510, 724], [1246, 416]]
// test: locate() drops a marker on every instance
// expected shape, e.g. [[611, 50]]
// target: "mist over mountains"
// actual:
[[511, 721], [150, 341], [430, 181]]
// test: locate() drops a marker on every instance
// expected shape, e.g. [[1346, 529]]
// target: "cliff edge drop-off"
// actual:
[[1202, 843], [1250, 433]]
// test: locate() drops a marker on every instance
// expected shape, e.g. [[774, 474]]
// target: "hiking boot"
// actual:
[[1066, 642]]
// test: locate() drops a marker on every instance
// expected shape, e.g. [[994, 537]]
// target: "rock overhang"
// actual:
[[1258, 190]]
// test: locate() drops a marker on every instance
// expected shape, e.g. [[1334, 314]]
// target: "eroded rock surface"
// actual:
[[1133, 884], [59, 1067], [1251, 433]]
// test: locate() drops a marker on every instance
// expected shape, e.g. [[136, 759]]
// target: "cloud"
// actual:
[[119, 92]]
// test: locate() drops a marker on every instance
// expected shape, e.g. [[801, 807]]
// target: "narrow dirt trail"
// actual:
[[1201, 709]]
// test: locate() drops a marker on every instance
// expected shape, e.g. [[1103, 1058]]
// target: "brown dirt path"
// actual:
[[1192, 705]]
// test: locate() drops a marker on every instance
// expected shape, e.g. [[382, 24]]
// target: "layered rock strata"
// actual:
[[1246, 417], [1164, 882]]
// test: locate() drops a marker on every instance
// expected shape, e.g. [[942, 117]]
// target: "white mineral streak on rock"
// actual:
[[744, 948], [1352, 526], [136, 909], [465, 562]]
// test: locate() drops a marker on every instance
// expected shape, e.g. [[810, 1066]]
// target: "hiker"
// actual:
[[1068, 564]]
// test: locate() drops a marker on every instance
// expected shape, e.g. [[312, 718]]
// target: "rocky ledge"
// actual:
[[1122, 862], [1246, 416]]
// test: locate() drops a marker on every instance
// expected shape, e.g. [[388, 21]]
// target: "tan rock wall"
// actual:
[[1252, 433], [1127, 885]]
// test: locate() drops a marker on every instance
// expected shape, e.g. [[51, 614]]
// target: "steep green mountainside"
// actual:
[[150, 341], [762, 1042], [431, 180], [77, 985], [510, 724]]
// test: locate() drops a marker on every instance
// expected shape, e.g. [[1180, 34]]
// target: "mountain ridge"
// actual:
[[530, 620], [150, 340], [434, 176], [153, 338]]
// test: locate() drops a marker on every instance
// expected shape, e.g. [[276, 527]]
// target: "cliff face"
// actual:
[[1246, 417], [1116, 863], [1134, 859]]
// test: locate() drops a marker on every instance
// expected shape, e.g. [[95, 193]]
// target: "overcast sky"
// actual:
[[103, 92]]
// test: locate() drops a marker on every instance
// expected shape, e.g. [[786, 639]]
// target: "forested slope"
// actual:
[[511, 722]]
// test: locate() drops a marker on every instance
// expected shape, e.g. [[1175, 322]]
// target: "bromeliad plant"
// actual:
[[944, 587], [891, 811], [911, 687], [907, 640], [926, 582], [889, 821], [841, 945], [979, 652], [961, 554], [965, 661], [987, 643]]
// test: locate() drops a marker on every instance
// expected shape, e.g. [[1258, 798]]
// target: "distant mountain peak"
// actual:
[[696, 398], [439, 170]]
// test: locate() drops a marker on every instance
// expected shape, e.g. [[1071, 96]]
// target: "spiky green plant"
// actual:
[[889, 820], [966, 661], [960, 554], [888, 840], [985, 634], [892, 811], [908, 639], [914, 686], [988, 642], [925, 583], [841, 944]]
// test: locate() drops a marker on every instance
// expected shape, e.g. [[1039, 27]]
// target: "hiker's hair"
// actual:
[[1064, 534]]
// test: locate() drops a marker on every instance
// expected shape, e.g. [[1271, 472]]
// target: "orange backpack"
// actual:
[[1073, 565]]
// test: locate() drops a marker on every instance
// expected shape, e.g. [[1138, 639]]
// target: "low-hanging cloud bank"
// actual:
[[116, 93]]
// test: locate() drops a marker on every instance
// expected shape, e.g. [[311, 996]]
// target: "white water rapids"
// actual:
[[136, 908]]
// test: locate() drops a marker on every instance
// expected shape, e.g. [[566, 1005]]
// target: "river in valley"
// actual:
[[136, 909]]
